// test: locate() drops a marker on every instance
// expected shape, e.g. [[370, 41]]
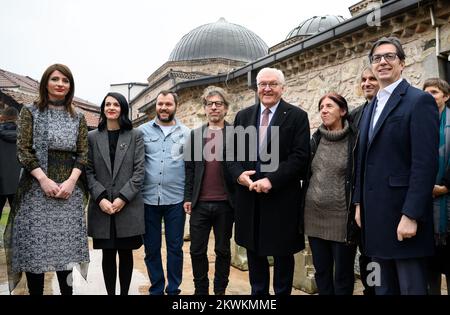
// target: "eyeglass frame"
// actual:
[[219, 104], [271, 85], [383, 56]]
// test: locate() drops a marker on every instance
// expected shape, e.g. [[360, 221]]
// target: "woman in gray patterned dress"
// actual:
[[47, 229]]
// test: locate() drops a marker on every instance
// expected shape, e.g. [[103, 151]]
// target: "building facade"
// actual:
[[329, 58]]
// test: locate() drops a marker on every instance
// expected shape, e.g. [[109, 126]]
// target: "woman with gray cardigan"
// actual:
[[329, 223], [115, 176]]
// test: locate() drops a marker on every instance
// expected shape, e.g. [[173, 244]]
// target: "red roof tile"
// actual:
[[25, 90], [20, 97], [10, 80]]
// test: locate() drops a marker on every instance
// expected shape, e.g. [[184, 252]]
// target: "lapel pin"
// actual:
[[123, 146]]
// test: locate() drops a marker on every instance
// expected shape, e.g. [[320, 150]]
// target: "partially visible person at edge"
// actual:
[[440, 263], [267, 169], [208, 193], [9, 166], [329, 222], [163, 193], [115, 175], [395, 175], [369, 87], [46, 229]]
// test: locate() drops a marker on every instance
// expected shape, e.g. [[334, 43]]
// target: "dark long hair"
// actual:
[[124, 121], [42, 102]]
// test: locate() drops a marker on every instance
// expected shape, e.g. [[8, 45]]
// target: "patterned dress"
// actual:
[[48, 234]]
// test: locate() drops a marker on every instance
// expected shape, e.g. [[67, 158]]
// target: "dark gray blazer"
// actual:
[[127, 181]]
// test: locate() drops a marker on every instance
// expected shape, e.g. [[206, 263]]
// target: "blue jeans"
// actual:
[[174, 217]]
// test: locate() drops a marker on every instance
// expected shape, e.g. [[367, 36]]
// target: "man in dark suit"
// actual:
[[395, 174], [369, 86], [270, 159], [208, 194]]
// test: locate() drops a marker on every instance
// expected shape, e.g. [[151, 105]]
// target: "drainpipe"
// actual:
[[438, 32]]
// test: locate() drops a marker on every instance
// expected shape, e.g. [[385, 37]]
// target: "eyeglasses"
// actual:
[[271, 85], [217, 103], [388, 57]]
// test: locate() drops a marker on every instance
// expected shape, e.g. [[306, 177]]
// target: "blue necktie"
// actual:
[[371, 126]]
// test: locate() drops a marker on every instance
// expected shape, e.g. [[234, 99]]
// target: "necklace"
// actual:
[[57, 103]]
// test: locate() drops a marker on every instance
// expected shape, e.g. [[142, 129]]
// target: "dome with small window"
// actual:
[[220, 40]]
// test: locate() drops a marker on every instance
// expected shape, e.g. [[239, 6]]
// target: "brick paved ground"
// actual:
[[238, 285]]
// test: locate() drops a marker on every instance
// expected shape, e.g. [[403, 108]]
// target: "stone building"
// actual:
[[130, 91], [320, 55], [210, 50], [17, 90], [316, 59]]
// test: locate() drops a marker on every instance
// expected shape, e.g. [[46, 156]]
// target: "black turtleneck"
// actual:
[[113, 138]]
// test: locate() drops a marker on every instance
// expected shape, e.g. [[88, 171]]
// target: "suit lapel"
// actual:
[[122, 147], [280, 114], [391, 104], [203, 135], [103, 146], [253, 120], [254, 117]]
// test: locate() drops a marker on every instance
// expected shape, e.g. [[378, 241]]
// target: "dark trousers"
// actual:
[[334, 264], [3, 201], [364, 273], [217, 215], [259, 273], [439, 265], [109, 267], [402, 276], [35, 282], [174, 217]]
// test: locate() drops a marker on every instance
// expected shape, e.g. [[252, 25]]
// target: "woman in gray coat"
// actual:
[[115, 176]]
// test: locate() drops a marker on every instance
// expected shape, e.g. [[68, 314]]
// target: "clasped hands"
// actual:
[[111, 207], [262, 185], [61, 191]]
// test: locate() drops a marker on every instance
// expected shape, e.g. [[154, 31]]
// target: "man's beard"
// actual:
[[168, 119], [218, 118]]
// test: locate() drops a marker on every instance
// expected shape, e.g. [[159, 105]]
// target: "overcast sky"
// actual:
[[116, 41]]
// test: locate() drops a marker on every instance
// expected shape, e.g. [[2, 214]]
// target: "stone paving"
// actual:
[[94, 285], [238, 285]]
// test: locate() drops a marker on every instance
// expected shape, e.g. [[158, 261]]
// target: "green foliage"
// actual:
[[4, 217]]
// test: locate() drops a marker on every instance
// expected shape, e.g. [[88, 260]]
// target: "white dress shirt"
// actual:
[[383, 96]]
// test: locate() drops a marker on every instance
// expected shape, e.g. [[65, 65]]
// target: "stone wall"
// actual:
[[191, 111], [207, 66], [305, 86]]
